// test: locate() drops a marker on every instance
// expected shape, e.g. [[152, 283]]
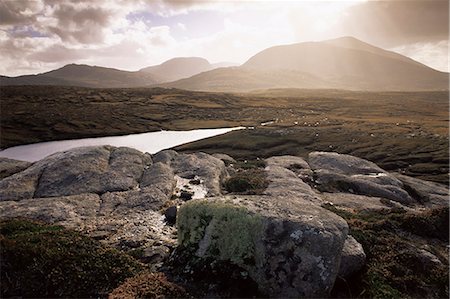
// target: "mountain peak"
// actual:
[[199, 60], [347, 38], [178, 68]]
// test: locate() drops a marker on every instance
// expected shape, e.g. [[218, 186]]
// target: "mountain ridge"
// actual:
[[341, 63]]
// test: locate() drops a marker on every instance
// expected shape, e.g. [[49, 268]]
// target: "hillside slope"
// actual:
[[178, 68], [85, 76], [344, 63]]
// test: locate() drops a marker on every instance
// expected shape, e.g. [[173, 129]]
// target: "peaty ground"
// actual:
[[400, 131]]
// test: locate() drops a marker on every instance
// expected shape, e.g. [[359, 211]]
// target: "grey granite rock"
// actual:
[[343, 173], [428, 193], [284, 182], [353, 257], [9, 167], [70, 211], [93, 170], [290, 247]]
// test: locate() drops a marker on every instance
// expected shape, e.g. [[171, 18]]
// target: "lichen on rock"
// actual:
[[220, 229]]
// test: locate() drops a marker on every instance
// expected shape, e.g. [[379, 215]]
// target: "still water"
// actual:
[[151, 142]]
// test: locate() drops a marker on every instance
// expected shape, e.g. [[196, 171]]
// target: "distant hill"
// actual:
[[242, 79], [94, 76], [84, 75], [343, 63], [178, 68]]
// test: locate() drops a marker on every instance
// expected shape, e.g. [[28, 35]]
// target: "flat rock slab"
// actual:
[[289, 246], [82, 170], [93, 170], [428, 193], [9, 167], [284, 182], [288, 162], [356, 203], [70, 211], [344, 173]]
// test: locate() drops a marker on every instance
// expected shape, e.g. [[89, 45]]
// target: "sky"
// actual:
[[40, 35]]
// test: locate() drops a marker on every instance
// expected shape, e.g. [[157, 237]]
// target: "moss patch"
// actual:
[[220, 229], [41, 260], [249, 181]]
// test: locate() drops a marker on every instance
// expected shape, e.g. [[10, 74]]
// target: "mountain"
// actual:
[[178, 68], [224, 64], [84, 75], [94, 76], [244, 79], [343, 63]]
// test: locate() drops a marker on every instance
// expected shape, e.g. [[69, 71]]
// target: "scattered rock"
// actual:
[[353, 257], [155, 255], [186, 195], [171, 215], [282, 238], [428, 260]]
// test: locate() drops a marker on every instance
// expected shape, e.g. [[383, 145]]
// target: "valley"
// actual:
[[400, 131]]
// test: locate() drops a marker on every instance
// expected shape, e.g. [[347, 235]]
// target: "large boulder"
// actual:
[[289, 246], [94, 170], [344, 173], [208, 170], [82, 170], [156, 187]]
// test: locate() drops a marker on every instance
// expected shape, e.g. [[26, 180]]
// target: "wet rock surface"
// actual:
[[284, 238]]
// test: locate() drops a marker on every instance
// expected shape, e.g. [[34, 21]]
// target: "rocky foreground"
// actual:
[[278, 220]]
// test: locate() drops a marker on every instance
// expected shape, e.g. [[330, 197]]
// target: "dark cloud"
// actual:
[[69, 15], [76, 21], [394, 23], [80, 24], [17, 12]]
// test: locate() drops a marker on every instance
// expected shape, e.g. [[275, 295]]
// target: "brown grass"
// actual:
[[148, 285]]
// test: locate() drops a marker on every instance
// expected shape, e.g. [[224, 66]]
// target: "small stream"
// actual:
[[151, 142]]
